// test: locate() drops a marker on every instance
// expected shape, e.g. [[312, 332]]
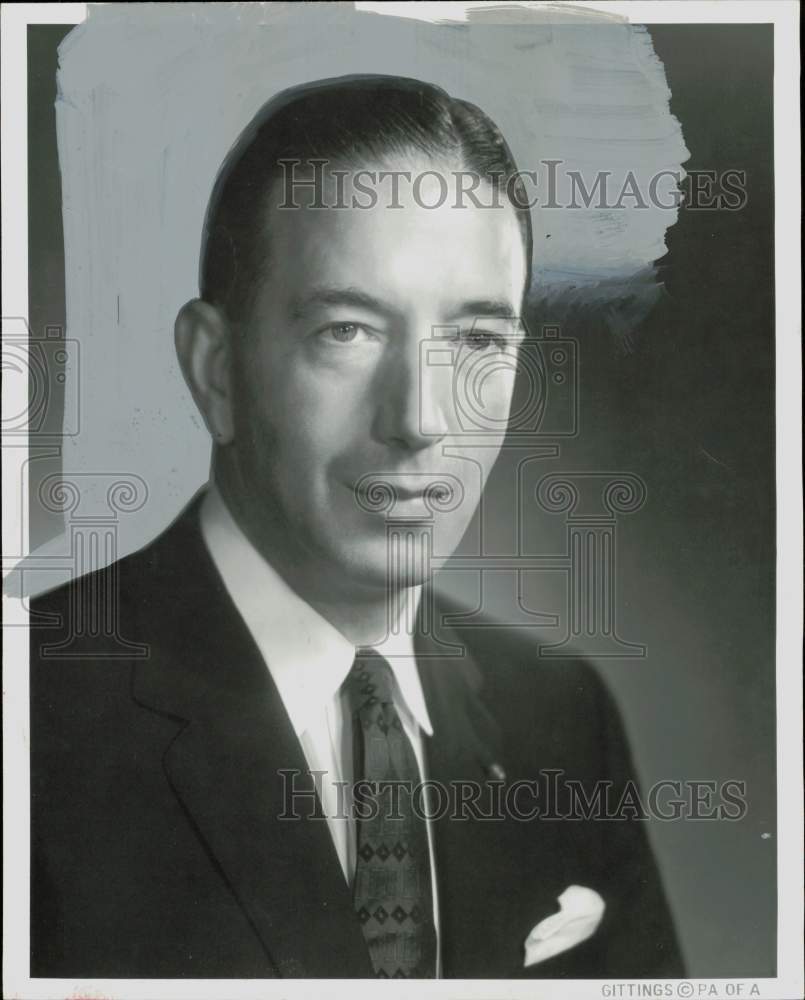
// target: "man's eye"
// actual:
[[481, 340], [344, 333]]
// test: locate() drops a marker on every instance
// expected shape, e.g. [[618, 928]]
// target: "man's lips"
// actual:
[[420, 492], [382, 496], [401, 491]]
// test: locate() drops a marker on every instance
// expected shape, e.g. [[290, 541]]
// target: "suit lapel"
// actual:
[[232, 765]]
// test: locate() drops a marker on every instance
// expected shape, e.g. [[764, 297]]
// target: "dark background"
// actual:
[[691, 408], [687, 403]]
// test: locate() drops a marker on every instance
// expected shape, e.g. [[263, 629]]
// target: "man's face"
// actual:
[[380, 350]]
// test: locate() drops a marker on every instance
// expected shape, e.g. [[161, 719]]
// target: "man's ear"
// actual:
[[204, 345]]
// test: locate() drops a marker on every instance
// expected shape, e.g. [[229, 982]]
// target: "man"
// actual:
[[172, 828]]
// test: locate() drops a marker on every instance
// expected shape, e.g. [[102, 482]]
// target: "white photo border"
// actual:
[[788, 984]]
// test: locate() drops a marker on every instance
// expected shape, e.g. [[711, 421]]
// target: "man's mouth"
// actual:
[[381, 493], [370, 487]]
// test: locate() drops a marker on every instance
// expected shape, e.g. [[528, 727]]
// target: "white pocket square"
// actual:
[[580, 913]]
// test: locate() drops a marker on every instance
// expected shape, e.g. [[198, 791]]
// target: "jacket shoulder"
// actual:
[[562, 708], [130, 590], [513, 658], [87, 635]]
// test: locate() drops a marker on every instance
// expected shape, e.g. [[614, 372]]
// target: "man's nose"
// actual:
[[413, 402]]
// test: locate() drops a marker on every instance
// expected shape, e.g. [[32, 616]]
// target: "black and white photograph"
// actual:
[[402, 500]]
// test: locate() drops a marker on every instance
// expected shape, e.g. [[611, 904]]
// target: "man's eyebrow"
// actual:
[[494, 308], [350, 296], [326, 295]]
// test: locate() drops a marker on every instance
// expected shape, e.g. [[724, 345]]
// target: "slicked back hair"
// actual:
[[348, 120]]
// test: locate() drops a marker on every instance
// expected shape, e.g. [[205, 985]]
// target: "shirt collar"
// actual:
[[307, 656]]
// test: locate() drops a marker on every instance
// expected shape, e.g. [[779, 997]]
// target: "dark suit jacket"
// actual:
[[156, 847]]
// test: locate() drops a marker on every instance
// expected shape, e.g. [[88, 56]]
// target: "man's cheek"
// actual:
[[481, 395], [502, 389], [311, 449]]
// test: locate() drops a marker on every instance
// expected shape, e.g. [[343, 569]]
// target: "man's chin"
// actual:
[[403, 559]]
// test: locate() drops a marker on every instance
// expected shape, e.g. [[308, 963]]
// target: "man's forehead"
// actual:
[[477, 251], [398, 278]]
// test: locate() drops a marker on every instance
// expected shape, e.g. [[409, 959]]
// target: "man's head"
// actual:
[[362, 274]]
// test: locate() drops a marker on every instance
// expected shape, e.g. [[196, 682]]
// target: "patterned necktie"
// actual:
[[392, 890]]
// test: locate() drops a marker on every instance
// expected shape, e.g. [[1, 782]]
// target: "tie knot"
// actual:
[[369, 682]]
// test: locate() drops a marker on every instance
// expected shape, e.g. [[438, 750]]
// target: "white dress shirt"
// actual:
[[308, 659]]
